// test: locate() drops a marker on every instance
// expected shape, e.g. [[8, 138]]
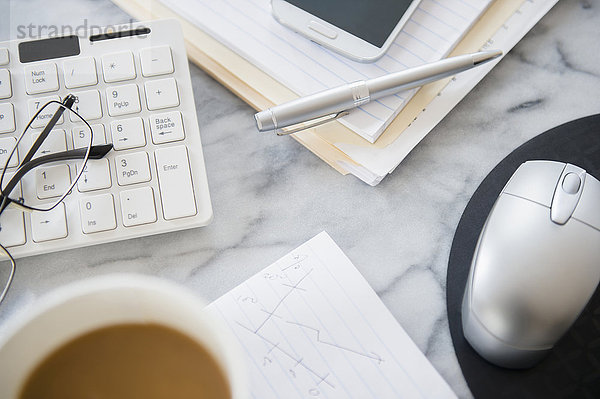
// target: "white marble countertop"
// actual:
[[270, 194]]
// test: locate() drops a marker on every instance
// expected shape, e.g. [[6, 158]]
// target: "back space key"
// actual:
[[175, 182]]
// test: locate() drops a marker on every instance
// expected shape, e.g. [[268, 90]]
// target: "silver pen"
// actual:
[[334, 103]]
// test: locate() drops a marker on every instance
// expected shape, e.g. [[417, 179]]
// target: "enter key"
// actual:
[[174, 179]]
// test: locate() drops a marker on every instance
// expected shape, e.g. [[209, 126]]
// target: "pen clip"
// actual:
[[313, 123]]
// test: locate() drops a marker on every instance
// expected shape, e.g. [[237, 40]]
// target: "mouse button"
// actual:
[[567, 194], [535, 181], [588, 208]]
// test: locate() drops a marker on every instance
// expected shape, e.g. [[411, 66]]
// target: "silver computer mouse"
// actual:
[[536, 264]]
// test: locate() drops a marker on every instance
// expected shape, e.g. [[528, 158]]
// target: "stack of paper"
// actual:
[[241, 45], [247, 27]]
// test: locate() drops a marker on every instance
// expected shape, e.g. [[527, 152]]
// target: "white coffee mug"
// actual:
[[84, 306]]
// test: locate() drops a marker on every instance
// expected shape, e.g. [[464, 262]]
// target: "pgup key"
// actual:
[[123, 100]]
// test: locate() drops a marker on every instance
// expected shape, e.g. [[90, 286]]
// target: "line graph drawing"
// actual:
[[298, 362], [275, 346], [271, 315], [370, 355], [293, 288]]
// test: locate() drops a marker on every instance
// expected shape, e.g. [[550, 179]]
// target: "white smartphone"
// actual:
[[362, 30]]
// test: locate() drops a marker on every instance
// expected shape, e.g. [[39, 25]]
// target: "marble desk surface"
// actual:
[[270, 194]]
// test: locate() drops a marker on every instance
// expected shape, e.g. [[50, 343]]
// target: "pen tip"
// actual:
[[258, 122], [485, 56], [265, 120]]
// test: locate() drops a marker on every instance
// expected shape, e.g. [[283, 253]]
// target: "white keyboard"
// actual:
[[134, 89]]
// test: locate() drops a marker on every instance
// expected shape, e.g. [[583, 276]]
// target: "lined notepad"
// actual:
[[248, 27], [311, 326]]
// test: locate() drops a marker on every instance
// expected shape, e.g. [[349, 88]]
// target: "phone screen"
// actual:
[[371, 20]]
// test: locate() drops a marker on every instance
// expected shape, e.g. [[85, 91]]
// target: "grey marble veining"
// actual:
[[270, 194]]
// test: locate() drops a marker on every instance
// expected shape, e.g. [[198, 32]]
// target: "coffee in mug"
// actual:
[[120, 336], [148, 361]]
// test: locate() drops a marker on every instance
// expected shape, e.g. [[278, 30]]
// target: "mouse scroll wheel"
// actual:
[[567, 194], [571, 183]]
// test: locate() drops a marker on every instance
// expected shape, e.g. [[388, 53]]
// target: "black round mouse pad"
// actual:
[[572, 369]]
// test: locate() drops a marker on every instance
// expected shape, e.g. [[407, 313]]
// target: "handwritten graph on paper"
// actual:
[[311, 326]]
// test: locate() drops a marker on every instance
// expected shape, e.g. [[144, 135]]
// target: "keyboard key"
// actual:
[[95, 176], [87, 105], [128, 133], [118, 66], [44, 117], [55, 142], [4, 57], [123, 100], [7, 118], [52, 181], [97, 213], [5, 86], [6, 146], [156, 61], [166, 127], [132, 168], [81, 136], [12, 227], [175, 182], [50, 225], [40, 78], [137, 206], [161, 93], [80, 72]]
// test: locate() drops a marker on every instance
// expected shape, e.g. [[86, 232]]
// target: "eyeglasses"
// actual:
[[42, 179]]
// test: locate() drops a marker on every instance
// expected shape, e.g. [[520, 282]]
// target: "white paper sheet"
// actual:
[[248, 27], [311, 326], [376, 163]]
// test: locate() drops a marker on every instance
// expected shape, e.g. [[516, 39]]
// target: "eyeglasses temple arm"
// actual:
[[11, 274]]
